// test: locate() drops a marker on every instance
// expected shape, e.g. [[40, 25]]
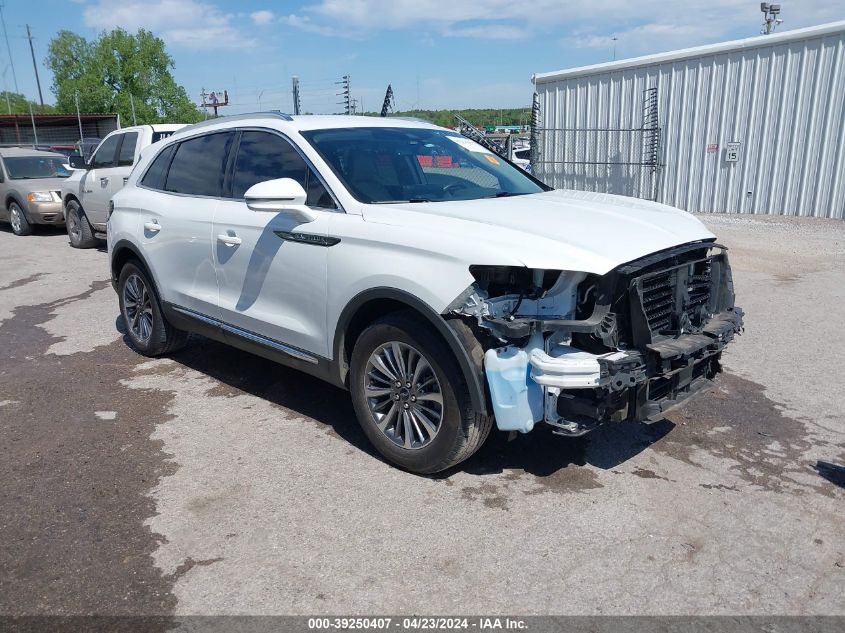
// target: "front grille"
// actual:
[[676, 298]]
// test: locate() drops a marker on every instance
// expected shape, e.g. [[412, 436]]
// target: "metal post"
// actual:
[[132, 103], [78, 117], [6, 90], [34, 65], [32, 118]]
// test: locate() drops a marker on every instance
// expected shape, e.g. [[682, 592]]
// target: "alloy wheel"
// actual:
[[403, 395], [15, 219], [73, 226], [138, 309]]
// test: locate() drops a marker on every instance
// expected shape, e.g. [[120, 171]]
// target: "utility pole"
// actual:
[[8, 49], [32, 118], [78, 120], [345, 95], [132, 103], [34, 65], [296, 103]]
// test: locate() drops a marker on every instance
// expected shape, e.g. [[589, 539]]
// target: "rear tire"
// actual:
[[146, 328], [17, 218], [429, 426], [78, 228]]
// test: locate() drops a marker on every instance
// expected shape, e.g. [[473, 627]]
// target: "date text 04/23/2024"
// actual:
[[417, 623]]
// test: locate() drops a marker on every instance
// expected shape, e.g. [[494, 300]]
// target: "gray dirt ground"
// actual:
[[216, 482]]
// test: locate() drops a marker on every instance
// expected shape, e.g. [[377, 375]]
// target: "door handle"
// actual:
[[229, 240], [104, 182], [152, 227]]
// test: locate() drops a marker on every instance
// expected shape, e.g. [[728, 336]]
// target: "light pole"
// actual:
[[770, 17], [259, 100]]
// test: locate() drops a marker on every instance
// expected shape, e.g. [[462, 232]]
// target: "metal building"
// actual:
[[749, 126]]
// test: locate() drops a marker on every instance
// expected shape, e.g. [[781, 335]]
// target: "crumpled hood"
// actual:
[[561, 229]]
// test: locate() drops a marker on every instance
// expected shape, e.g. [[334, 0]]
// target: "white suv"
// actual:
[[442, 286], [86, 194]]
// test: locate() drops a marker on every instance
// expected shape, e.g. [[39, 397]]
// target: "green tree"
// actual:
[[16, 103], [114, 70]]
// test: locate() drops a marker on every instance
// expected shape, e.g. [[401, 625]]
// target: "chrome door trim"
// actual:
[[293, 352]]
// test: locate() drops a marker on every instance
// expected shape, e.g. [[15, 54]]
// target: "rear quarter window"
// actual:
[[154, 178], [126, 157], [199, 164]]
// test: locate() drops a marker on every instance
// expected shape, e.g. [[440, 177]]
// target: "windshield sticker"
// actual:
[[468, 144], [491, 159]]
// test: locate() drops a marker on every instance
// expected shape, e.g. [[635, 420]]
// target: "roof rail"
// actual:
[[269, 114]]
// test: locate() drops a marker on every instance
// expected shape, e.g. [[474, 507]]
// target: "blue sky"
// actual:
[[436, 53]]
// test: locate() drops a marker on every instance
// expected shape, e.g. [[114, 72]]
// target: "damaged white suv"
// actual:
[[443, 287]]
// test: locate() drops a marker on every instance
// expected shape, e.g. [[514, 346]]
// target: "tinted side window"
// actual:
[[265, 156], [105, 155], [199, 164], [126, 158], [154, 178]]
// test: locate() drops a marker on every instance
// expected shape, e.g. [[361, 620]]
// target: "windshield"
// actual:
[[382, 165], [29, 167]]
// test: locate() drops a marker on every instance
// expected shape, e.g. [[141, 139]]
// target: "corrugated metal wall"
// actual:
[[784, 101]]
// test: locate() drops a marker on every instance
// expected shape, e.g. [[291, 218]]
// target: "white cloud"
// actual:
[[488, 32], [189, 23], [262, 17], [643, 24], [305, 23]]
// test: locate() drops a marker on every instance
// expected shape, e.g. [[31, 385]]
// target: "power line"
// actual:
[[8, 49]]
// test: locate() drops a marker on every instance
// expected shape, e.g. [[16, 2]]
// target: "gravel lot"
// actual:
[[217, 482]]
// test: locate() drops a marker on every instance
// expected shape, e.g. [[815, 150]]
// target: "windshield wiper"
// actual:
[[401, 201], [505, 194]]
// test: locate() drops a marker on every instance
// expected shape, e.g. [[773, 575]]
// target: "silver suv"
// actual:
[[30, 182]]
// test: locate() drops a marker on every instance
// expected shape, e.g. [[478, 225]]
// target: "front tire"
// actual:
[[146, 328], [17, 218], [78, 227], [411, 398]]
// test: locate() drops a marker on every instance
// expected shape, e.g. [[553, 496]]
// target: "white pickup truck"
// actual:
[[86, 194]]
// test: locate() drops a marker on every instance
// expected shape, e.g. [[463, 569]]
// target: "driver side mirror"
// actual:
[[282, 195], [78, 162]]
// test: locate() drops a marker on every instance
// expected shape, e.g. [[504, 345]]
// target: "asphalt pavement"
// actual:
[[215, 482]]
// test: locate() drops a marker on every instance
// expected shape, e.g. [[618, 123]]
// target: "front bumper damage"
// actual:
[[650, 337]]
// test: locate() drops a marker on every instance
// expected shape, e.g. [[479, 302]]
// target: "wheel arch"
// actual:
[[375, 303], [68, 197], [122, 252], [13, 196]]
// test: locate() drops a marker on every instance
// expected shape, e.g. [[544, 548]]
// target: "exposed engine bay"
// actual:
[[575, 350]]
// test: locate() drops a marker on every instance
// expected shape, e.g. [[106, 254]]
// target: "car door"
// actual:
[[186, 180], [271, 271], [96, 190], [125, 161]]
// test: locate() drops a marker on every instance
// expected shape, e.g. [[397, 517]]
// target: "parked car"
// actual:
[[441, 298], [30, 182], [86, 194]]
